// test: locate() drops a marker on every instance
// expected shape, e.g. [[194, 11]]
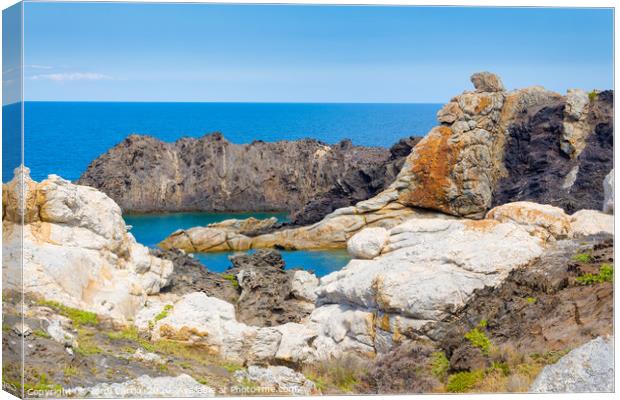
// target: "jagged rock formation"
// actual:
[[267, 297], [76, 249], [143, 173], [356, 185], [538, 313], [262, 291], [537, 169], [492, 147], [190, 275]]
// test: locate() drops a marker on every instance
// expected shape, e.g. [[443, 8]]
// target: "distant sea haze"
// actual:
[[64, 137]]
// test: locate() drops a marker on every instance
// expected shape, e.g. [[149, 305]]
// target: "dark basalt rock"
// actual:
[[266, 297], [405, 369], [256, 284], [190, 275], [144, 174], [537, 168], [356, 185]]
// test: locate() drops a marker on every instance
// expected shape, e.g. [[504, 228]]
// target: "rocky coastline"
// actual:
[[482, 261], [307, 178]]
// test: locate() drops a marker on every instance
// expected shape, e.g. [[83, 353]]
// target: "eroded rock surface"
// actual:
[[143, 173], [76, 248]]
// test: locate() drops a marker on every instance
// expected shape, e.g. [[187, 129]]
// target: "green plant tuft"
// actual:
[[41, 333], [605, 274], [79, 317], [593, 95], [463, 381], [479, 339], [232, 278], [531, 300], [439, 365], [164, 313], [583, 257]]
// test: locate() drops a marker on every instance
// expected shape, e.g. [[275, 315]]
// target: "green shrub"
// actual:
[[531, 300], [439, 364], [592, 95], [583, 257], [479, 339], [232, 278], [463, 381], [605, 274]]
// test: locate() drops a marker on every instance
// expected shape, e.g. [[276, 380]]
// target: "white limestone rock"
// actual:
[[430, 267], [589, 368], [197, 318], [367, 243], [76, 249], [591, 222], [541, 220], [303, 285], [145, 356]]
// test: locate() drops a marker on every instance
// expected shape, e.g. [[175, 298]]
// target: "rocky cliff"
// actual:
[[495, 146], [69, 244], [145, 174]]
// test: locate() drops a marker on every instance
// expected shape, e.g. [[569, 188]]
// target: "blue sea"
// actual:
[[64, 137]]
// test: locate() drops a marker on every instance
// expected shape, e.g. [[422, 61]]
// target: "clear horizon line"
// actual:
[[224, 102]]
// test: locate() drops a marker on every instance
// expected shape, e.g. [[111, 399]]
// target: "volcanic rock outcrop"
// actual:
[[144, 174], [492, 147], [75, 248]]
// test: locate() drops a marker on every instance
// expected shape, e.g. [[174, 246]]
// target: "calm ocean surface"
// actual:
[[64, 137]]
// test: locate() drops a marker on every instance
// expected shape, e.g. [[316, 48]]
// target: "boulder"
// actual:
[[76, 249], [267, 295], [487, 82], [303, 285], [589, 368], [591, 222], [205, 321], [146, 386], [367, 243], [448, 259], [608, 188], [541, 220]]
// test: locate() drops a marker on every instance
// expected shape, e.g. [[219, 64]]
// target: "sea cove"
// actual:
[[150, 229]]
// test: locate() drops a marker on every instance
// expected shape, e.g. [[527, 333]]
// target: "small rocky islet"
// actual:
[[482, 261]]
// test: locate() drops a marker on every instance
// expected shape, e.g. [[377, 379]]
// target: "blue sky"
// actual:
[[199, 52]]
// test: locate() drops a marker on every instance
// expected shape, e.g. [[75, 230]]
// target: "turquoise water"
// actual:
[[150, 229], [321, 262], [63, 138]]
